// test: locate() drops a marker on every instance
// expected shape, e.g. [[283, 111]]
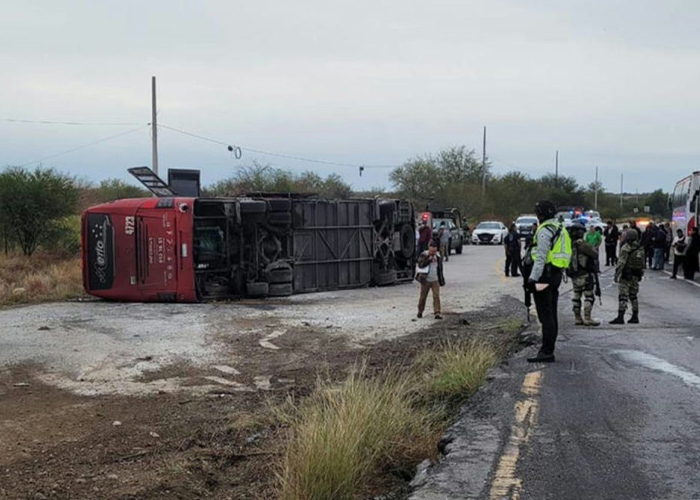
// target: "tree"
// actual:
[[459, 164], [33, 204], [418, 179]]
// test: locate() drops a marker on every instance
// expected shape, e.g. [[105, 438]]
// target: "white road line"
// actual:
[[687, 281], [660, 365]]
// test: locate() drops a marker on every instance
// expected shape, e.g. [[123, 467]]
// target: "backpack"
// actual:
[[636, 261]]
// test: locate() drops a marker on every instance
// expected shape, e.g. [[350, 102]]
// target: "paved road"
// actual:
[[616, 417]]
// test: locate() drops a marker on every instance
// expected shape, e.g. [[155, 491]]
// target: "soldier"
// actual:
[[581, 271], [629, 271]]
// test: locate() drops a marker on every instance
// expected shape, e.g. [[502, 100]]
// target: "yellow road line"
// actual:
[[498, 268], [506, 484]]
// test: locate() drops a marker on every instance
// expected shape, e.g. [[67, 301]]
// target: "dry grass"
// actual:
[[457, 370], [342, 436], [40, 278]]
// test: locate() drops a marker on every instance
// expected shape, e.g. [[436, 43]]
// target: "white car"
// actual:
[[489, 233]]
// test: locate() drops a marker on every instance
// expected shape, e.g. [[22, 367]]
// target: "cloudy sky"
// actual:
[[608, 83]]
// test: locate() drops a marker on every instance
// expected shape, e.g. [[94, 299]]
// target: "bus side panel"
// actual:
[[332, 244]]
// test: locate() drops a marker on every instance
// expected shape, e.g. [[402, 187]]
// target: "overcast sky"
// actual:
[[608, 83]]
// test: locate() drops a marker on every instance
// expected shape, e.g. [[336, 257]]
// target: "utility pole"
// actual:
[[556, 169], [483, 166], [595, 203], [154, 125], [622, 176]]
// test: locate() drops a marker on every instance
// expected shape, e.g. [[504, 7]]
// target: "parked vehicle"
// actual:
[[455, 224], [524, 224], [190, 249], [684, 203], [489, 233]]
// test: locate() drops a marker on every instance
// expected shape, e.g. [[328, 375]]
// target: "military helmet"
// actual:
[[577, 229], [631, 235], [545, 210]]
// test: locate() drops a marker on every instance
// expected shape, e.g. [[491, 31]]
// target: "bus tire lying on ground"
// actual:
[[408, 241], [253, 207], [387, 278], [459, 248], [280, 205], [281, 289], [257, 289], [280, 218], [280, 276]]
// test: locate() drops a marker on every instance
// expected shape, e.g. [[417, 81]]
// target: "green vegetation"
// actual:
[[454, 176], [343, 437]]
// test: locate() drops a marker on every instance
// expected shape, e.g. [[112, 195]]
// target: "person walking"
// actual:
[[628, 274], [582, 272], [690, 263], [444, 237], [611, 236], [425, 236], [550, 254], [431, 280], [659, 244], [512, 246], [679, 247], [648, 243]]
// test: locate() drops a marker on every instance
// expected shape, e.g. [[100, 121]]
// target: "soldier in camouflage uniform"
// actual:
[[628, 274], [581, 271]]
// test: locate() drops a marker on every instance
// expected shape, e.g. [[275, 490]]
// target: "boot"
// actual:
[[578, 320], [635, 317], [620, 320], [588, 321]]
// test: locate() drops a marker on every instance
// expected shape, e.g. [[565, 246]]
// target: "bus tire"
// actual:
[[280, 276], [258, 289], [460, 248], [384, 279], [408, 241], [281, 290]]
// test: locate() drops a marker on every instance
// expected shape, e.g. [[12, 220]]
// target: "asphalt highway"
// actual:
[[616, 417]]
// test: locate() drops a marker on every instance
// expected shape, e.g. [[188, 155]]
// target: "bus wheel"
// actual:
[[387, 278], [281, 289], [257, 289]]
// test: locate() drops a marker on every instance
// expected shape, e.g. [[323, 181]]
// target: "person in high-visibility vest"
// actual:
[[550, 256]]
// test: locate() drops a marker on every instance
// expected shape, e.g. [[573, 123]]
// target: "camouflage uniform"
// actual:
[[628, 280], [583, 265]]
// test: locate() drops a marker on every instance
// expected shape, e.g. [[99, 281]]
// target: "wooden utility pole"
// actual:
[[622, 177], [483, 166], [596, 189], [154, 125]]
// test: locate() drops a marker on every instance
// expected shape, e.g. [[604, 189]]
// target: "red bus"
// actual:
[[191, 249], [685, 204]]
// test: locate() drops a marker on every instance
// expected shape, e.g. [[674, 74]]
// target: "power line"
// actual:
[[270, 153], [49, 122], [108, 138]]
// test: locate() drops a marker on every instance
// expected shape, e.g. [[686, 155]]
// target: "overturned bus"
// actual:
[[188, 249]]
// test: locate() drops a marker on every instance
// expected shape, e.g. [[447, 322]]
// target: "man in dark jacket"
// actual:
[[425, 236], [647, 243], [612, 237], [431, 280], [659, 243], [512, 245]]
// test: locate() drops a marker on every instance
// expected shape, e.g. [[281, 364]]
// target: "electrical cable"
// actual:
[[49, 122], [270, 153], [121, 134]]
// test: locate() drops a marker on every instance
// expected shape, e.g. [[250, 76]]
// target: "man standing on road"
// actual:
[[430, 281], [659, 244], [593, 237], [628, 274], [612, 236], [512, 244], [444, 236], [679, 246], [582, 272], [425, 236], [551, 253]]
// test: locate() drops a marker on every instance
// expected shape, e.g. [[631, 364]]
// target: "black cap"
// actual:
[[545, 210]]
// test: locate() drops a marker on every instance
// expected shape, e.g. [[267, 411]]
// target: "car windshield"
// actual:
[[526, 220], [564, 215], [489, 225], [437, 222]]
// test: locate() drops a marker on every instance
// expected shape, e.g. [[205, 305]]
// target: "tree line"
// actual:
[[41, 207]]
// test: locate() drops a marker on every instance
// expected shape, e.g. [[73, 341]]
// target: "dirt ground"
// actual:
[[216, 441]]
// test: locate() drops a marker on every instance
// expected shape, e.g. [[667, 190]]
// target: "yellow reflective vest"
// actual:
[[560, 253]]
